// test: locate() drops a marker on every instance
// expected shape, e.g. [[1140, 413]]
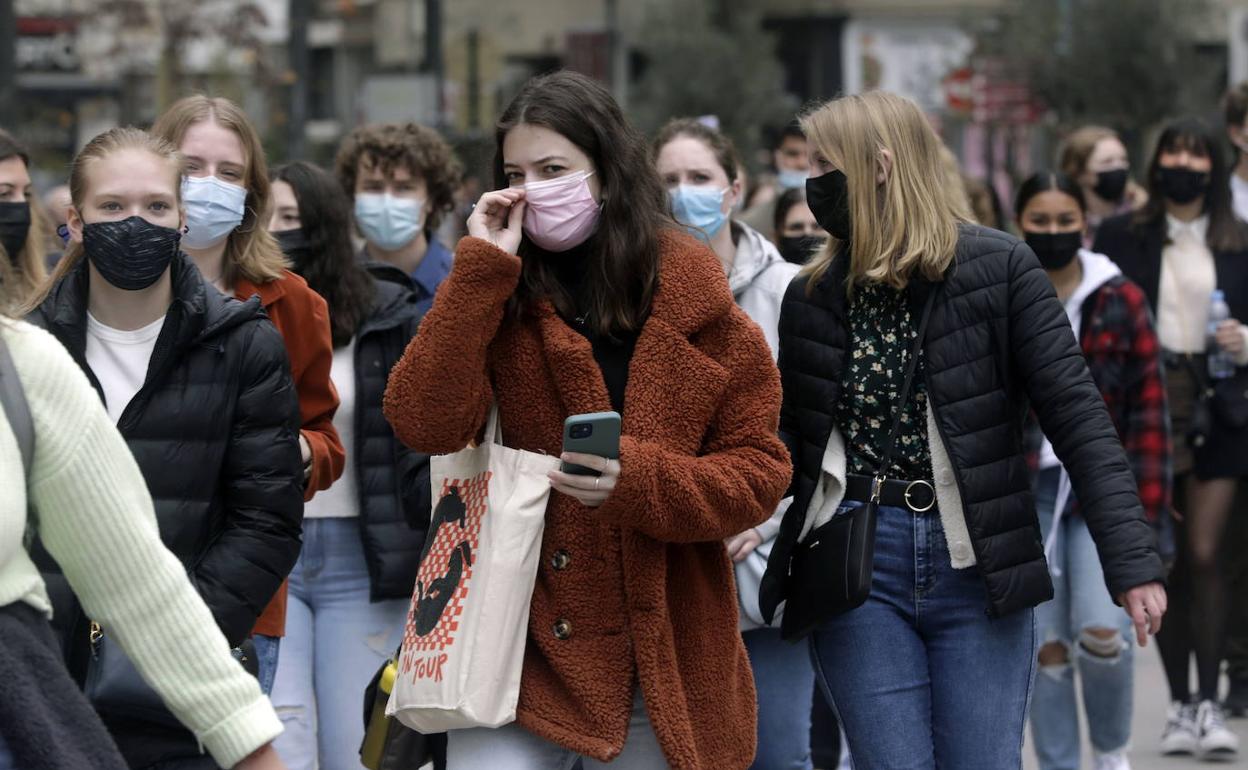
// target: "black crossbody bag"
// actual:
[[831, 570]]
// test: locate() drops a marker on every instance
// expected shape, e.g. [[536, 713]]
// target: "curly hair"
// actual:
[[403, 145]]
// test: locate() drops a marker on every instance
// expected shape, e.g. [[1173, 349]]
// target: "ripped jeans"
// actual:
[[1081, 603], [335, 642]]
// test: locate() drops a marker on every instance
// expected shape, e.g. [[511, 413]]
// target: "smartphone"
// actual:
[[591, 434]]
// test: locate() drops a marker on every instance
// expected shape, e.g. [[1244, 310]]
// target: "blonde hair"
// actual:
[[910, 221], [1075, 152], [250, 251], [28, 272], [25, 272], [107, 143]]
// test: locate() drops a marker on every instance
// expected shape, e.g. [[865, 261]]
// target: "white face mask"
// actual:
[[214, 208]]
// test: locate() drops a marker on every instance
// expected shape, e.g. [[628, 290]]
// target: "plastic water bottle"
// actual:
[[1221, 365]]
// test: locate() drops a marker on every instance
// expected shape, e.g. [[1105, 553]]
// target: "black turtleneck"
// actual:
[[612, 352]]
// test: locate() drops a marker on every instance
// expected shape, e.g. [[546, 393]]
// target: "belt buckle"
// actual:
[[910, 487]]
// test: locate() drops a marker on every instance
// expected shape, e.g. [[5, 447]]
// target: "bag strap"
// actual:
[[13, 399], [1203, 383], [886, 457]]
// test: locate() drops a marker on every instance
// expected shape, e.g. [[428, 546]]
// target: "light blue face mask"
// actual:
[[699, 209], [213, 209], [790, 179], [387, 222]]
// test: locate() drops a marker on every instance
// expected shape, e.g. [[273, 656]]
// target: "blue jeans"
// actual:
[[1081, 602], [267, 649], [920, 676], [335, 642], [785, 680], [6, 757]]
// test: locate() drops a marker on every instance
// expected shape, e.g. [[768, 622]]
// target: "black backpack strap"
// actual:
[[13, 399]]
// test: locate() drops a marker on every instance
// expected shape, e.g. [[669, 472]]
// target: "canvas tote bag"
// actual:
[[463, 649]]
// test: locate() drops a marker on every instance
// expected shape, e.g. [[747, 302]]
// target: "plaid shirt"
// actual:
[[1119, 340]]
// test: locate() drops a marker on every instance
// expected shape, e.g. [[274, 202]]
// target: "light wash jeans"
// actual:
[[268, 649], [921, 676], [511, 747], [1081, 602], [335, 642], [785, 680]]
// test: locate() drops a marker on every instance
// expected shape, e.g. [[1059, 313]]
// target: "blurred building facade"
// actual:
[[87, 64]]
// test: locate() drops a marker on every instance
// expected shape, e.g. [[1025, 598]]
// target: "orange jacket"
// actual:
[[639, 590], [303, 320]]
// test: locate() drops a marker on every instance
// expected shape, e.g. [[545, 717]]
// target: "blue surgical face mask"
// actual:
[[213, 209], [791, 179], [387, 222], [699, 209]]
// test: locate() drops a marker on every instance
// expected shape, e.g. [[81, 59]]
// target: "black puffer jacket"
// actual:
[[214, 430], [393, 480], [997, 337]]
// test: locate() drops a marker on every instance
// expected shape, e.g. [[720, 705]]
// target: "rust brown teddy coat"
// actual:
[[644, 580]]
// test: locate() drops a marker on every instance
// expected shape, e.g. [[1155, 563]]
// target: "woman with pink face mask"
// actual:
[[575, 293]]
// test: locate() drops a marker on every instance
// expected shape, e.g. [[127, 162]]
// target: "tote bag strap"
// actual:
[[494, 426]]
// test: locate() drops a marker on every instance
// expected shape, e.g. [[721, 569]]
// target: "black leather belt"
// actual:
[[917, 496]]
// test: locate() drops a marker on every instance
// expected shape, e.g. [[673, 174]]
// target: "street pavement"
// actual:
[[1151, 695]]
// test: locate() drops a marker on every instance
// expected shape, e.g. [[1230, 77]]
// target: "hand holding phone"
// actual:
[[591, 448], [497, 217], [591, 434]]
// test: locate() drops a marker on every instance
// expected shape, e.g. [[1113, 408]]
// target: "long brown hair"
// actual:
[[332, 268], [107, 143], [250, 252], [27, 270], [623, 255]]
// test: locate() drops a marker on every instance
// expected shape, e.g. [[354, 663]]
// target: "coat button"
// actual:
[[563, 629], [961, 551], [945, 479], [560, 560]]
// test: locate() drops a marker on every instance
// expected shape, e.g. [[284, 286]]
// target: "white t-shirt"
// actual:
[[119, 360], [341, 498]]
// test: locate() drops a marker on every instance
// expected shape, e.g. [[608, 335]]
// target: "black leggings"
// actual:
[[1198, 603]]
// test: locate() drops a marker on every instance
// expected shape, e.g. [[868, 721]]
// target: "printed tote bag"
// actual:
[[463, 648]]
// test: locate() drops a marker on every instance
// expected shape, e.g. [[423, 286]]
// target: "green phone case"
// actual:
[[603, 439]]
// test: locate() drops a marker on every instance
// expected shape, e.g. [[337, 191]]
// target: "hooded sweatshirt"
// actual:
[[758, 279]]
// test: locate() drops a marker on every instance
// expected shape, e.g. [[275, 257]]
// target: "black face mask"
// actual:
[[130, 254], [1182, 185], [1110, 185], [295, 246], [799, 249], [14, 227], [1055, 250], [828, 198]]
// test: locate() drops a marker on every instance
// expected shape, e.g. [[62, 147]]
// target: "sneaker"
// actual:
[[1215, 741], [1179, 736], [1113, 761], [1236, 703]]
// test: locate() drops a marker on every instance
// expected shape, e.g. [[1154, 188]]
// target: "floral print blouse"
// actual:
[[882, 335]]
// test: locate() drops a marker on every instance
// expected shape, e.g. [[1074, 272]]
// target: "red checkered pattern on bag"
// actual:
[[474, 493]]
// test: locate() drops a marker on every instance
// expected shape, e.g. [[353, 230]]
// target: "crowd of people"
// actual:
[[890, 480]]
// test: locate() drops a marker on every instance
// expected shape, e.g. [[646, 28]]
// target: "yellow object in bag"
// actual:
[[377, 729]]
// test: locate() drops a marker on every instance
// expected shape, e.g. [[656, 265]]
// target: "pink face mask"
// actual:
[[559, 214]]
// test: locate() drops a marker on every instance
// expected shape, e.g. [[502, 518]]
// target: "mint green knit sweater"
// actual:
[[96, 519]]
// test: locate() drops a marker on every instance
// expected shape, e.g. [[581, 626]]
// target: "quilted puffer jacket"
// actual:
[[998, 339]]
